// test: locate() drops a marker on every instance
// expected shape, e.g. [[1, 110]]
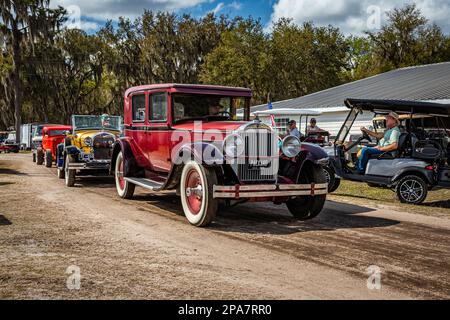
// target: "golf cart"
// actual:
[[422, 159], [279, 120]]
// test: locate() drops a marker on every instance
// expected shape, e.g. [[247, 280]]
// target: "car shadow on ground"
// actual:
[[4, 221], [272, 219], [94, 181], [438, 204], [11, 171]]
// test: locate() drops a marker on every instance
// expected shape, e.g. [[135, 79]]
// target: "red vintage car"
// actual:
[[186, 138], [52, 136]]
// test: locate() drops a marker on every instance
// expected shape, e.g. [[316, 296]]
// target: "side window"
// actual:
[[138, 106], [159, 107]]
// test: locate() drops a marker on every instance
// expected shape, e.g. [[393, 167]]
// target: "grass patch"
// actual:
[[439, 200]]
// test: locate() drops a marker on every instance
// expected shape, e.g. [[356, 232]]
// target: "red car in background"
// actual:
[[51, 137]]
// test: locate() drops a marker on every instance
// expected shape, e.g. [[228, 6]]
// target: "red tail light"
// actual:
[[430, 168]]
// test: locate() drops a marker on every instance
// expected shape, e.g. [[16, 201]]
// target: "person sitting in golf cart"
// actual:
[[313, 128], [387, 141], [293, 130]]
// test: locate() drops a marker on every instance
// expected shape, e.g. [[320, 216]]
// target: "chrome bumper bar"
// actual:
[[262, 191], [89, 165]]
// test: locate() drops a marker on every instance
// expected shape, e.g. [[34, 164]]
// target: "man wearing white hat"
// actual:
[[388, 141]]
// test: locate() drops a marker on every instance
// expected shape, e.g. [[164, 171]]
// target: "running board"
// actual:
[[145, 183]]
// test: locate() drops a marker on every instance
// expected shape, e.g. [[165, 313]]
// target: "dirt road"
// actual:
[[144, 249]]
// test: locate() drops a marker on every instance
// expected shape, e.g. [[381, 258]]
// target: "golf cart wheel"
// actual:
[[125, 189], [48, 158], [34, 156], [308, 207], [69, 174], [412, 189], [196, 188], [39, 156]]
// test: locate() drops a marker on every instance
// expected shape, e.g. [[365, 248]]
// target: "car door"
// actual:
[[159, 139], [138, 129]]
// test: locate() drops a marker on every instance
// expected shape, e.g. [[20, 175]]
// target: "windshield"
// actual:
[[53, 133], [199, 107], [103, 122], [342, 135], [11, 137], [38, 131]]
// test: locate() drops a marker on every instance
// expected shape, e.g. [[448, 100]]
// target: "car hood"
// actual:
[[82, 134]]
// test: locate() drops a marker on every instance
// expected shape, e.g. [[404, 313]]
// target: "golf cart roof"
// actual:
[[399, 106], [296, 112], [404, 116]]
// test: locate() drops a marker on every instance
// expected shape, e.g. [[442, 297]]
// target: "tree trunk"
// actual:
[[17, 104], [17, 81]]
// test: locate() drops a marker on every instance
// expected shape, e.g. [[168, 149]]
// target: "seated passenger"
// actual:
[[388, 141], [293, 130], [313, 128], [214, 110]]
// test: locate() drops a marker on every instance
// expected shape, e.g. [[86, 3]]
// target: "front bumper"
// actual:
[[266, 191], [94, 165]]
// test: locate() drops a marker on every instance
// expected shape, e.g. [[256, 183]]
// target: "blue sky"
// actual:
[[352, 16]]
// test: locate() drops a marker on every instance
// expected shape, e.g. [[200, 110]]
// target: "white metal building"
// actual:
[[424, 83]]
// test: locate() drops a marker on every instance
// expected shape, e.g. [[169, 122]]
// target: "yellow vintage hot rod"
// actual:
[[88, 146]]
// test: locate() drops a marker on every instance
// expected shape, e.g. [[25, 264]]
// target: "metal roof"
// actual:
[[427, 82]]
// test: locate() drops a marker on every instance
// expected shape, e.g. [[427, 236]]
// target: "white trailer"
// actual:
[[26, 136]]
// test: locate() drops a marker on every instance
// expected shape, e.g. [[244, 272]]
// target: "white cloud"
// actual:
[[113, 9], [352, 16], [218, 8], [231, 6]]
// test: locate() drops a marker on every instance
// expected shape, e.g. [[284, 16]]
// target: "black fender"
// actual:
[[72, 150], [314, 152], [60, 155], [131, 168], [427, 175]]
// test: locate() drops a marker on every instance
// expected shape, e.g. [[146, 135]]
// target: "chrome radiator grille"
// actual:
[[260, 160], [103, 146]]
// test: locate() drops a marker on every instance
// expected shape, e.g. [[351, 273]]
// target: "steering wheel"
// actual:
[[365, 136], [225, 113]]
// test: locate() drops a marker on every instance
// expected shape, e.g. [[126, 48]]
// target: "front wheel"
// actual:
[[60, 173], [69, 173], [197, 182], [124, 188], [308, 207], [332, 180], [34, 156], [412, 189], [39, 156], [48, 158]]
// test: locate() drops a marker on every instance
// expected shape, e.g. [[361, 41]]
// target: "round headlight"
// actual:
[[88, 141], [233, 146], [291, 146]]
